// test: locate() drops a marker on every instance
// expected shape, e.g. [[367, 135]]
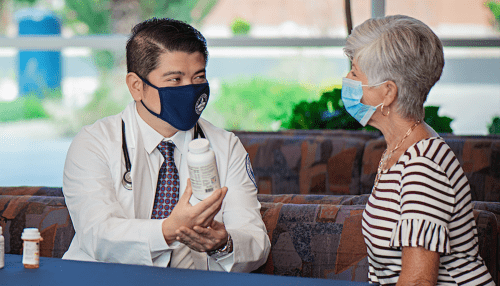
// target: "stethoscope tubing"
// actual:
[[127, 177]]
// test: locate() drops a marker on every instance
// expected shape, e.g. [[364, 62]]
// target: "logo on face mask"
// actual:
[[181, 106], [201, 104]]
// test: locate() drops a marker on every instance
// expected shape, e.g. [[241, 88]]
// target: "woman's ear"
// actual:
[[135, 86], [391, 92]]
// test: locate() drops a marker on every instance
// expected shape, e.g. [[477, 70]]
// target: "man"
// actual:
[[134, 217]]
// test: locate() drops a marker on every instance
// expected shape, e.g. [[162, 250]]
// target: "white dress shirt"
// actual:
[[113, 224]]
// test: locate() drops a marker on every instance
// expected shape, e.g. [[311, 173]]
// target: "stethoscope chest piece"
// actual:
[[127, 180]]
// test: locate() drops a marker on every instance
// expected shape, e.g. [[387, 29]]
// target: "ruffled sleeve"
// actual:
[[419, 232]]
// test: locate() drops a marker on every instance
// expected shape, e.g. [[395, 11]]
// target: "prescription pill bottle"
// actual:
[[2, 249], [31, 247], [202, 168]]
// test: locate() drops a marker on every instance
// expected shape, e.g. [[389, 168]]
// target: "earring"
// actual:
[[382, 110]]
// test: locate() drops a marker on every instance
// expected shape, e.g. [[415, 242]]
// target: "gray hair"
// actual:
[[401, 49]]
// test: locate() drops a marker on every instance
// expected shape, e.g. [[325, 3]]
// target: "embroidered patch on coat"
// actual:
[[250, 170]]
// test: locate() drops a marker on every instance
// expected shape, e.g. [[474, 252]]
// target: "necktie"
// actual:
[[167, 188], [167, 194]]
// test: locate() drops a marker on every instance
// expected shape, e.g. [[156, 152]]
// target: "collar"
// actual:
[[151, 138]]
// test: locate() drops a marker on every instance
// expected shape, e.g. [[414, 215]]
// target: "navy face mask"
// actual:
[[181, 106]]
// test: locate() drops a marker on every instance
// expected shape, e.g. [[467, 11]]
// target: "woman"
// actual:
[[418, 224]]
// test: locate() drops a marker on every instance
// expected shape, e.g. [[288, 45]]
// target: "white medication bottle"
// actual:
[[31, 247], [202, 168], [2, 249]]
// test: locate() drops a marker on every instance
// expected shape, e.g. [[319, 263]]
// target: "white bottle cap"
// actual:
[[31, 233], [198, 146]]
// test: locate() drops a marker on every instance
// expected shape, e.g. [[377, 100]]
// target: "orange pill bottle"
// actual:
[[31, 247]]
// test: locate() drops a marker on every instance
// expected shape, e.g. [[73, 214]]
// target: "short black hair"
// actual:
[[153, 37]]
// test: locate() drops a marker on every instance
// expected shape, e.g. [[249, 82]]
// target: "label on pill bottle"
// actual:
[[31, 252]]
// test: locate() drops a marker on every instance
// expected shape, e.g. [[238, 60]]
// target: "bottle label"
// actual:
[[31, 252], [2, 252], [204, 180]]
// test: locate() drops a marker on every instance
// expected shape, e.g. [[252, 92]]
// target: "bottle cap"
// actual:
[[198, 146], [0, 230], [31, 233]]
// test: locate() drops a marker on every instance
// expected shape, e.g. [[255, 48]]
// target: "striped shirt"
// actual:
[[424, 200]]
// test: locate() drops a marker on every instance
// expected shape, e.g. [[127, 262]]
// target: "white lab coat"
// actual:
[[113, 224]]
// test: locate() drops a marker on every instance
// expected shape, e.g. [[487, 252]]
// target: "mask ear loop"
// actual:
[[153, 86], [147, 82], [382, 110], [381, 107], [377, 84]]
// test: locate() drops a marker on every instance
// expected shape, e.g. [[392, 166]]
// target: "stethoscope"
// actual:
[[127, 177]]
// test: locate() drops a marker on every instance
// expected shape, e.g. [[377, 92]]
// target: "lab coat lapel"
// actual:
[[142, 187], [142, 178]]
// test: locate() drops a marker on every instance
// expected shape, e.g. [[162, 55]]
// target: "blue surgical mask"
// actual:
[[181, 106], [352, 92]]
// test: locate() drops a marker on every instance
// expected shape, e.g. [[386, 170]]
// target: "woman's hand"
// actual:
[[419, 267]]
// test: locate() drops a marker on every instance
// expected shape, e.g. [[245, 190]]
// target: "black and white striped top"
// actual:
[[424, 200]]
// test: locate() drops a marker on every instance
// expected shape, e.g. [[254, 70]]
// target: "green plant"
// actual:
[[104, 60], [33, 108], [107, 100], [240, 26], [495, 9], [440, 124], [23, 108], [329, 113], [494, 127], [52, 94], [189, 11], [326, 113], [28, 2], [258, 104], [95, 14]]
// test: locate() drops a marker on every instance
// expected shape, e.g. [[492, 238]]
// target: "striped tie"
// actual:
[[167, 188]]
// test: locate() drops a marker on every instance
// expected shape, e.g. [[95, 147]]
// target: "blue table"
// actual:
[[56, 271]]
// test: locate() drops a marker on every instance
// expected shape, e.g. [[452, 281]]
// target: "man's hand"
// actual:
[[203, 238], [188, 216]]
